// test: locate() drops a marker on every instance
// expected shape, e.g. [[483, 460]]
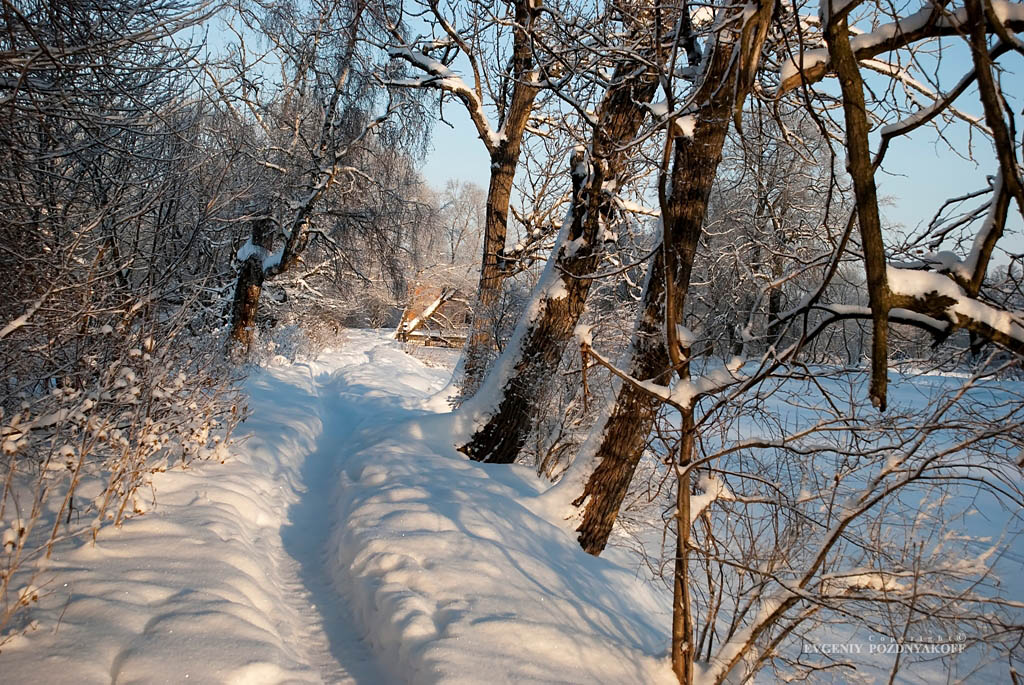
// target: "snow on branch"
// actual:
[[713, 489], [939, 329], [937, 303], [939, 297], [732, 650], [684, 395], [20, 321], [442, 78], [408, 326], [931, 21]]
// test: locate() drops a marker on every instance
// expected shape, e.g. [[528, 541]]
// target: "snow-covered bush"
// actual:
[[80, 442], [114, 240]]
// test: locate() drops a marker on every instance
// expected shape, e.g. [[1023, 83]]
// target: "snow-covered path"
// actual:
[[224, 580], [345, 541]]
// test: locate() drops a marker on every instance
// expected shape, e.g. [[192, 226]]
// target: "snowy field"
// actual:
[[344, 541]]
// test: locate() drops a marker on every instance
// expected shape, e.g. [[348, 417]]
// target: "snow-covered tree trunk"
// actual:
[[512, 387], [249, 284], [409, 326], [511, 393], [694, 165]]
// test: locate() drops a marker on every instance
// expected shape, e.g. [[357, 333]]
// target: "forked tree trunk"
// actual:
[[694, 166], [561, 294]]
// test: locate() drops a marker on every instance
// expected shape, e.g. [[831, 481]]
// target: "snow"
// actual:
[[830, 8], [872, 580], [806, 61], [217, 584], [248, 249], [658, 109], [685, 336], [556, 290], [440, 76], [712, 489], [584, 335], [273, 259], [1007, 11], [424, 62], [921, 283], [686, 392], [20, 321], [991, 223], [635, 207], [702, 15], [549, 286], [685, 125], [343, 541], [710, 672]]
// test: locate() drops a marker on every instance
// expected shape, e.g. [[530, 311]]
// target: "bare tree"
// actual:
[[507, 83], [462, 220], [314, 129], [509, 398], [699, 123], [926, 300], [763, 212], [108, 261]]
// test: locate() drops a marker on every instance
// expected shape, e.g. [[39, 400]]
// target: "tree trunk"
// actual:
[[694, 165], [632, 417], [861, 168], [248, 287], [559, 297], [410, 325], [775, 302], [539, 342], [480, 343], [624, 432], [682, 608]]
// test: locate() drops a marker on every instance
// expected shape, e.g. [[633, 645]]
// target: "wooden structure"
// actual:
[[435, 316]]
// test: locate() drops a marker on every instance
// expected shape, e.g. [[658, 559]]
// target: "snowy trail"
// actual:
[[345, 541], [336, 649], [224, 581], [341, 655], [461, 572]]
